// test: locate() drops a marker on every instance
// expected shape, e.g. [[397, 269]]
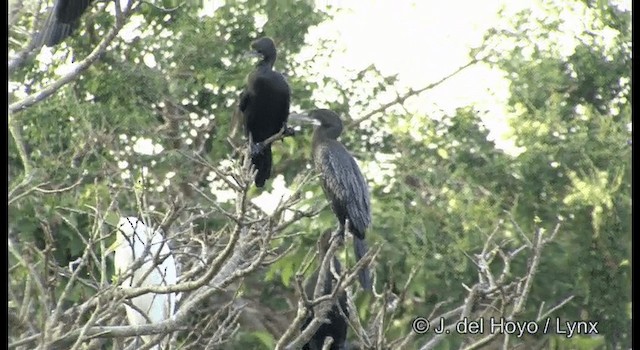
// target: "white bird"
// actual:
[[129, 246]]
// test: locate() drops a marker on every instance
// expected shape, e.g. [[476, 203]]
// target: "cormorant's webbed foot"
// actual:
[[256, 149]]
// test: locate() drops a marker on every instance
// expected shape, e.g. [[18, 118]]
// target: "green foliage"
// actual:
[[578, 343], [255, 340], [87, 132], [441, 186], [266, 339], [571, 118]]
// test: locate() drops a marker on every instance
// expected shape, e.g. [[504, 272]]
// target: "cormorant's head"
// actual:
[[326, 121], [326, 118], [264, 48]]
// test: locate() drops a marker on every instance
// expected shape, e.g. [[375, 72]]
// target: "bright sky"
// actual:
[[424, 41]]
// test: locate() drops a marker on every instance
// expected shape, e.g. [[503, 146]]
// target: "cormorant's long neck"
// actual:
[[323, 134], [267, 63]]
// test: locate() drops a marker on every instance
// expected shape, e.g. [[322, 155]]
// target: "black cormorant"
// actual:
[[264, 107], [342, 181], [337, 326], [62, 21]]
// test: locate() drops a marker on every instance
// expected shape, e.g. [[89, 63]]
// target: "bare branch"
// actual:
[[400, 99]]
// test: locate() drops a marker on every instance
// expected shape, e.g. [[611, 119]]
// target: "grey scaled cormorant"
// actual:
[[342, 181], [264, 107]]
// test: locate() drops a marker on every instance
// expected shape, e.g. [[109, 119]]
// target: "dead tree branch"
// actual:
[[412, 92]]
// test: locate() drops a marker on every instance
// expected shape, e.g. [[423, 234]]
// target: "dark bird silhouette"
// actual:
[[337, 326], [264, 107], [342, 181], [62, 21]]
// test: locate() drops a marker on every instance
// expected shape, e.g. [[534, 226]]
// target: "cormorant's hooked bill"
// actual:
[[300, 118], [253, 53]]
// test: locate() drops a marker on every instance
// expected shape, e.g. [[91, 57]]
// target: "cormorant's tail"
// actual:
[[63, 20], [262, 163], [360, 249], [53, 32]]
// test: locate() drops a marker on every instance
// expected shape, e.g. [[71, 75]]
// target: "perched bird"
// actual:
[[342, 181], [264, 107], [337, 326], [129, 246], [62, 21]]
